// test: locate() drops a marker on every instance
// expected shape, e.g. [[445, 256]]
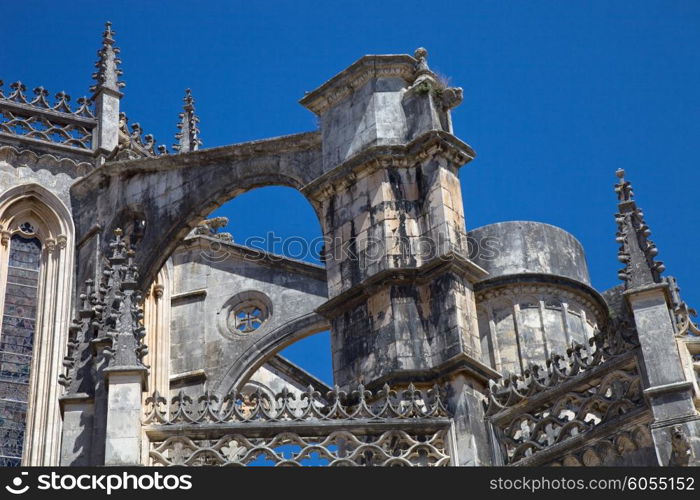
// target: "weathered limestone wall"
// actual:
[[21, 166], [212, 281], [676, 426], [400, 283], [389, 221]]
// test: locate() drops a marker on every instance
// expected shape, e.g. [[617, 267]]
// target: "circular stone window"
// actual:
[[246, 313], [27, 228]]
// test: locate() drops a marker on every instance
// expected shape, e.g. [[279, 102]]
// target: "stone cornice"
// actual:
[[430, 144], [199, 294], [461, 363], [188, 378], [74, 399], [27, 157], [450, 262], [658, 424], [681, 386], [135, 371], [646, 290], [355, 76]]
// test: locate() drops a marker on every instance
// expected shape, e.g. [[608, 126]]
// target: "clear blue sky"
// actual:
[[558, 95]]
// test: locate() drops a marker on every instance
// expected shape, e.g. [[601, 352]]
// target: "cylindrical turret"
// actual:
[[537, 299]]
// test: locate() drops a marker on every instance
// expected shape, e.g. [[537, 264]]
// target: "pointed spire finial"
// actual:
[[637, 251], [623, 188], [108, 72], [188, 135]]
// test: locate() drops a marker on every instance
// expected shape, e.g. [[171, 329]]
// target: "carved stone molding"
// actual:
[[513, 293], [25, 157]]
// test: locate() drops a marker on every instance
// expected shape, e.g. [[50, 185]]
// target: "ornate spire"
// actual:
[[637, 251], [109, 310], [124, 315], [188, 136], [108, 72]]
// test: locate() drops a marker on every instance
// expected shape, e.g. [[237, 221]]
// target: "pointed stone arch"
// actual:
[[259, 353], [177, 192]]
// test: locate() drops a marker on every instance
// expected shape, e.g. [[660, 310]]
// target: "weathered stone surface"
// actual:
[[411, 298], [215, 279], [517, 247]]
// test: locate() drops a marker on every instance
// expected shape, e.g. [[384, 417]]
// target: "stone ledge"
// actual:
[[31, 158], [390, 156], [187, 378], [79, 398], [684, 385], [424, 273], [192, 294], [646, 289], [504, 283], [674, 421], [258, 256]]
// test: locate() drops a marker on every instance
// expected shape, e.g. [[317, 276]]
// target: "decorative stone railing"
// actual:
[[618, 339], [39, 121], [594, 391], [407, 427]]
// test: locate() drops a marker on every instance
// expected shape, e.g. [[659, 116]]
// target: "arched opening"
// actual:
[[241, 290], [286, 230], [36, 259], [275, 219]]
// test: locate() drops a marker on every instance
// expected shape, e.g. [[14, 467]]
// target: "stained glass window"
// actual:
[[16, 342]]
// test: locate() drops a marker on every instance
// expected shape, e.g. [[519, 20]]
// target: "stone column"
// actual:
[[126, 376], [106, 134], [157, 322], [400, 283], [107, 95], [78, 412], [123, 434]]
